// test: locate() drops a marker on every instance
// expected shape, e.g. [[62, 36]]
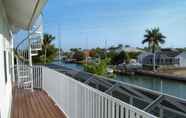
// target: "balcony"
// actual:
[[37, 104], [57, 94]]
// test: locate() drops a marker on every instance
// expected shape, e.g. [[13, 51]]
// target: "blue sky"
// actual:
[[117, 21]]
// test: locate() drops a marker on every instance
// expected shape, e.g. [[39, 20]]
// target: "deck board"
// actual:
[[37, 104]]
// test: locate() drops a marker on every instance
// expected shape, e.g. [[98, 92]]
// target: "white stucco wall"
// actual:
[[5, 45], [182, 58]]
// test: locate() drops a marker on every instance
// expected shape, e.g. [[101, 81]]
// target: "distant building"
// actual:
[[129, 49]]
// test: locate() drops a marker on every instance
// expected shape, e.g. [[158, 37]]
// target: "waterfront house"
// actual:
[[15, 15], [163, 58]]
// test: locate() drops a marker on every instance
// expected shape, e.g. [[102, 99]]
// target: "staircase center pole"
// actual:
[[30, 59]]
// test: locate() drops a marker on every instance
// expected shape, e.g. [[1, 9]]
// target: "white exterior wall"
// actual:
[[182, 58], [5, 45]]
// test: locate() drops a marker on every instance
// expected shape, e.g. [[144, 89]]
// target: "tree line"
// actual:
[[110, 56]]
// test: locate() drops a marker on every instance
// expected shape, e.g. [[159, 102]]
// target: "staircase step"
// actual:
[[27, 85], [38, 32], [36, 49], [23, 77], [24, 71], [34, 54], [28, 82]]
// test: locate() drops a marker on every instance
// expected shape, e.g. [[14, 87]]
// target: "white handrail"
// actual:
[[78, 100]]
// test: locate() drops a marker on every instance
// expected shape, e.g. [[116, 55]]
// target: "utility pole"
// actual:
[[87, 51], [105, 48], [59, 45], [105, 44]]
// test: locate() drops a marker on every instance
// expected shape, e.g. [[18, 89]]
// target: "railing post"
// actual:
[[42, 78]]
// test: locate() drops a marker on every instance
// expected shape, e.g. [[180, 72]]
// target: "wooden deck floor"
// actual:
[[35, 104]]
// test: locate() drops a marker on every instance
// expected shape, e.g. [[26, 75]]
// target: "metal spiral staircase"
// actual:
[[24, 52]]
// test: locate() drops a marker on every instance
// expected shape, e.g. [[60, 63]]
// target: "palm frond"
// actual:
[[153, 37]]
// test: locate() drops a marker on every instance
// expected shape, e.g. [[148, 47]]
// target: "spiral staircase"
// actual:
[[24, 52]]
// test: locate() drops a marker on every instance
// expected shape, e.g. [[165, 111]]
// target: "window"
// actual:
[[5, 67], [151, 61], [158, 61], [171, 61], [162, 62]]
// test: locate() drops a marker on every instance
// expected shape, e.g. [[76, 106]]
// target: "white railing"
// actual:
[[78, 100], [37, 77]]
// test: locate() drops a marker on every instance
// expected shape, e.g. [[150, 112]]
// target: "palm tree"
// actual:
[[47, 40], [154, 38]]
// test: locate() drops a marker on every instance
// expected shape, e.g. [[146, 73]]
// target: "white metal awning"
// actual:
[[22, 13]]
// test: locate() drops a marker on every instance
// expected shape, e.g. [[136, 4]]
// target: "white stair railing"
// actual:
[[36, 38], [22, 67], [24, 51]]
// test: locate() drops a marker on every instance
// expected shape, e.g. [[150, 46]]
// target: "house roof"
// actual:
[[164, 54], [183, 54], [143, 54], [168, 53], [132, 49], [129, 49]]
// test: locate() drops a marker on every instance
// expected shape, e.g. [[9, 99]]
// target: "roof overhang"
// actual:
[[23, 13]]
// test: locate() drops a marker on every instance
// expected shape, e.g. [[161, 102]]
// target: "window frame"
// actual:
[[5, 67]]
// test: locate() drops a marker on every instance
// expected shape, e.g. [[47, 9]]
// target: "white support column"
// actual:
[[12, 60]]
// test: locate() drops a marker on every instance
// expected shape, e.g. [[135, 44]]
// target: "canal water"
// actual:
[[171, 87]]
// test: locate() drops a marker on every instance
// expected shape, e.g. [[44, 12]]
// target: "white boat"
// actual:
[[110, 70]]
